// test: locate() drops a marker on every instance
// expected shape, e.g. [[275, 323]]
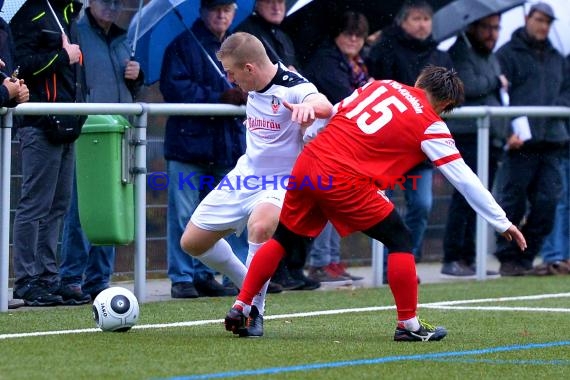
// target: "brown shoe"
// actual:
[[551, 269]]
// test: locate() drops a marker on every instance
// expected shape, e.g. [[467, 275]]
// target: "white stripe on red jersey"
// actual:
[[384, 129]]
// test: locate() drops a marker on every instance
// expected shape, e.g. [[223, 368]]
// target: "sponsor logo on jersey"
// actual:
[[275, 103], [254, 123]]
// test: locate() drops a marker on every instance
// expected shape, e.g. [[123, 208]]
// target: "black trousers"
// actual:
[[528, 189]]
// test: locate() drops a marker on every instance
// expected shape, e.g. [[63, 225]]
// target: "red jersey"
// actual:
[[377, 135], [382, 131]]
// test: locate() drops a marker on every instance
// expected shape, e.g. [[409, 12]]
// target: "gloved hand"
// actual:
[[234, 96]]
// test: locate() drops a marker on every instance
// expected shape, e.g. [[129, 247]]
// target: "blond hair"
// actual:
[[243, 48]]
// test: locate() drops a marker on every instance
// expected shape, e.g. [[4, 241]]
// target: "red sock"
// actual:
[[403, 282], [262, 267]]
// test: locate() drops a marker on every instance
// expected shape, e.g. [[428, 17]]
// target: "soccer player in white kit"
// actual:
[[281, 104]]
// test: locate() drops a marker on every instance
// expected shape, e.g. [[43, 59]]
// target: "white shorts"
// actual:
[[226, 208]]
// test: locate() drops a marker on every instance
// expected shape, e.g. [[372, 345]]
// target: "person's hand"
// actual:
[[514, 142], [234, 96], [13, 87], [513, 233], [2, 64], [73, 50], [302, 113], [23, 93], [132, 70], [504, 82]]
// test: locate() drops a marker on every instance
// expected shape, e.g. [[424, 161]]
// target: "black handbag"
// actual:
[[63, 129]]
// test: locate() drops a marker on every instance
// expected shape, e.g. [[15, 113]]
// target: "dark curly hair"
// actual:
[[443, 84]]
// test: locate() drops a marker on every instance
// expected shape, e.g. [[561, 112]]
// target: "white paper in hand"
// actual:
[[521, 128]]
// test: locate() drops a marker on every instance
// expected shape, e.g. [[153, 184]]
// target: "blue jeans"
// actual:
[[418, 195], [325, 248], [555, 246], [182, 202], [90, 266]]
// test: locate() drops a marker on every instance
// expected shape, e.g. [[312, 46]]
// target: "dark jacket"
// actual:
[[7, 55], [400, 57], [480, 73], [188, 76], [44, 64], [277, 43], [104, 57], [536, 74], [334, 81]]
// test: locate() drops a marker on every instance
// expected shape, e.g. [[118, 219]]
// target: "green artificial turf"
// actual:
[[352, 345]]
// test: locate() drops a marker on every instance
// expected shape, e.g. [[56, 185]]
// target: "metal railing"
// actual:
[[141, 112]]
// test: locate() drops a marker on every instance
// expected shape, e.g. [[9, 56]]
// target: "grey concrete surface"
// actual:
[[159, 289]]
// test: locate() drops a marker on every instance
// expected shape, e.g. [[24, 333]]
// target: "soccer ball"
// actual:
[[115, 309]]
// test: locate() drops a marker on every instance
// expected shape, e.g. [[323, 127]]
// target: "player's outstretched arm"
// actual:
[[513, 233], [315, 106]]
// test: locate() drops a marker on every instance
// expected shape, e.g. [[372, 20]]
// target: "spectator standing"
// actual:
[[530, 168], [111, 77], [49, 57], [403, 50], [280, 106], [479, 69], [376, 135], [197, 147], [12, 91], [265, 24], [345, 72], [555, 251]]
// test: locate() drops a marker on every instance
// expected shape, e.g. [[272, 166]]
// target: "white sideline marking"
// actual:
[[448, 305], [501, 308]]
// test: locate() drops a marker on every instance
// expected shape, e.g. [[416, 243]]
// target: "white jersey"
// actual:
[[273, 140], [261, 174]]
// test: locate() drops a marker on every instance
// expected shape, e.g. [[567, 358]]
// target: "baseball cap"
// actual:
[[542, 8], [214, 3]]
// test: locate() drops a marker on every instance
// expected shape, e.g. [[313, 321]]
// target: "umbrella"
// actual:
[[309, 21], [457, 15], [159, 23], [9, 8]]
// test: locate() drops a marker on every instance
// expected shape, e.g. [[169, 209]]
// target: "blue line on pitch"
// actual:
[[500, 361], [352, 363]]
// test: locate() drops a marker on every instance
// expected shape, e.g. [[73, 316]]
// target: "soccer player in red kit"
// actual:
[[378, 133]]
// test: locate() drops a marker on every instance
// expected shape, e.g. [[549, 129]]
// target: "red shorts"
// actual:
[[316, 195]]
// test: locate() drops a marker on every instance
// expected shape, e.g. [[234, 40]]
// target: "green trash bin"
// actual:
[[104, 189]]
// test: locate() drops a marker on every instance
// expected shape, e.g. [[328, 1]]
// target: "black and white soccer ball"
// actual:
[[115, 309]]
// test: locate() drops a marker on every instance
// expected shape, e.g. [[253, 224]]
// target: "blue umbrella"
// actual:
[[160, 22]]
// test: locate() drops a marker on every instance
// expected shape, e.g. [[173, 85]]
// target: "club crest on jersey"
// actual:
[[275, 103]]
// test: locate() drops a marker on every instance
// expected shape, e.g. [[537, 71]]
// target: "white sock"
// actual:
[[246, 309], [222, 259], [259, 299], [411, 324]]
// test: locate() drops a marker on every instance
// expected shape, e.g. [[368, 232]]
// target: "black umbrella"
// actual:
[[312, 23], [457, 15]]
